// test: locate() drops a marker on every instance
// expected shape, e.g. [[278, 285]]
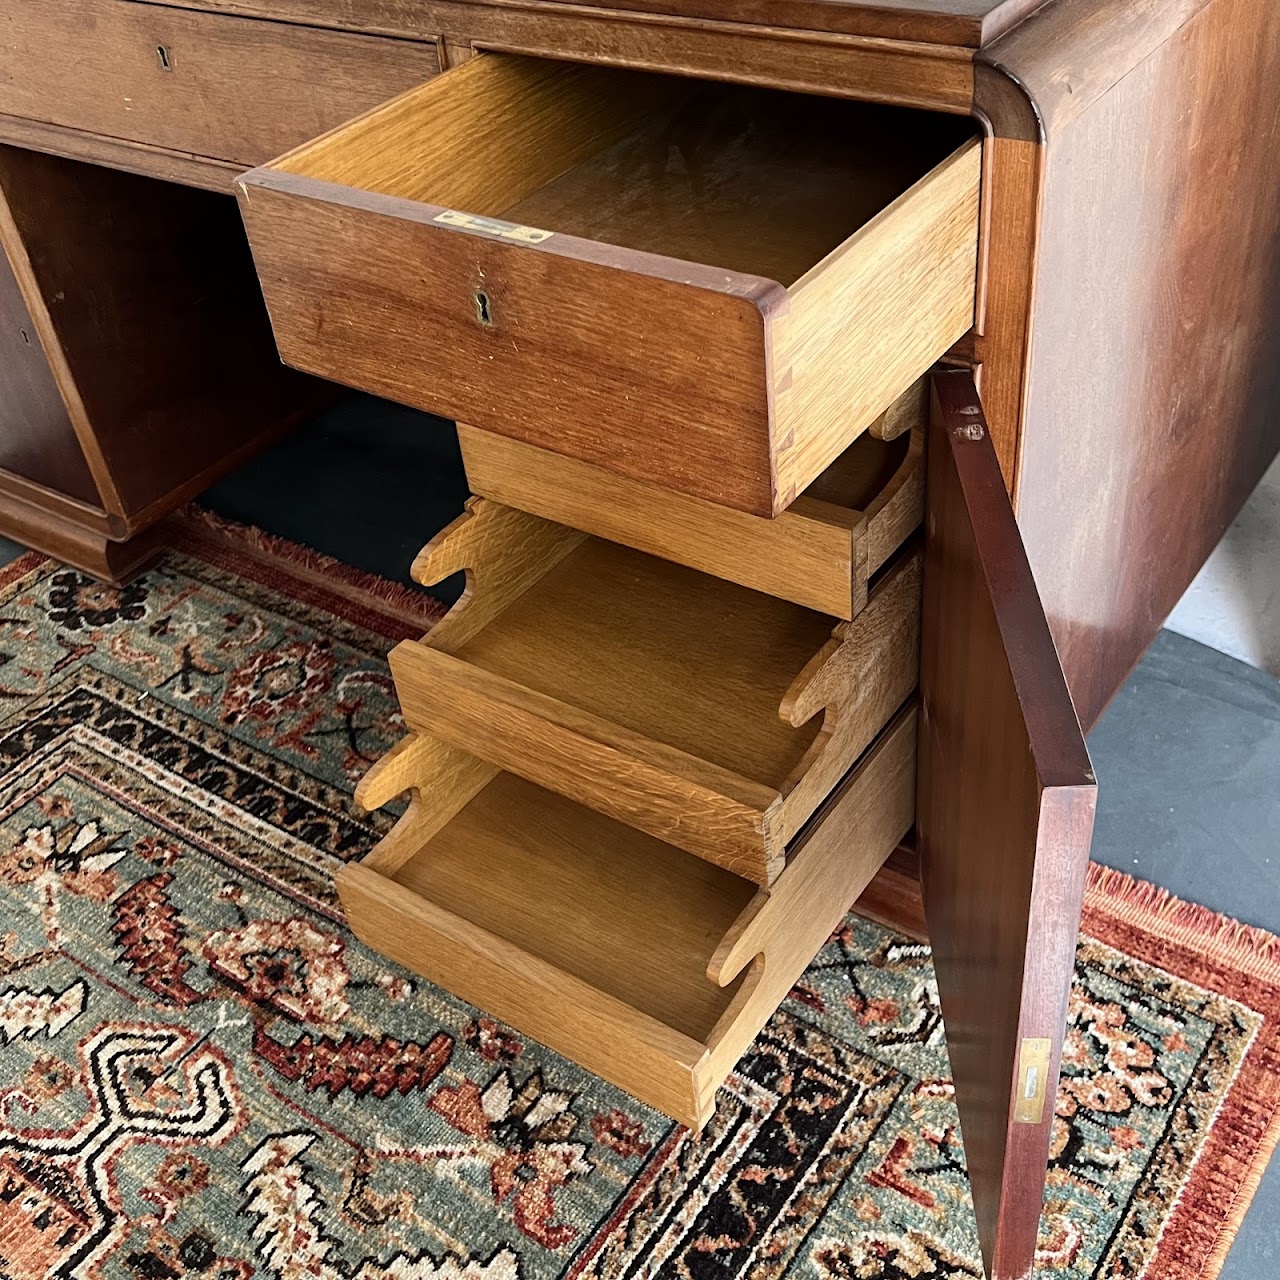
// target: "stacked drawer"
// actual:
[[668, 734], [646, 795]]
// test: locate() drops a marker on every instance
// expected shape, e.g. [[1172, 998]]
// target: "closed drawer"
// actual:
[[207, 84], [645, 965], [713, 717], [821, 552], [709, 288]]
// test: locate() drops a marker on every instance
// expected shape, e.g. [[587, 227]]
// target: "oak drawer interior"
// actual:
[[521, 862], [647, 965], [708, 714], [713, 288]]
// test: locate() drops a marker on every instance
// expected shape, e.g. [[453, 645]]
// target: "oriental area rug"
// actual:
[[204, 1076]]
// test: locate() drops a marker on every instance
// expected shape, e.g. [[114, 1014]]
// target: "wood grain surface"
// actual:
[[211, 86], [713, 717], [645, 965], [1005, 813], [502, 551], [818, 553], [145, 303], [863, 324], [1154, 387], [37, 440], [893, 898], [965, 23]]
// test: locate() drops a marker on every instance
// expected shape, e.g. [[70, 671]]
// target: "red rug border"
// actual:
[[1242, 963]]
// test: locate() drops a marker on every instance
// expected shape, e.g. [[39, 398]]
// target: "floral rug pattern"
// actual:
[[203, 1075]]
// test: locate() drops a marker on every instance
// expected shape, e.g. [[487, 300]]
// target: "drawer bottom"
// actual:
[[648, 966]]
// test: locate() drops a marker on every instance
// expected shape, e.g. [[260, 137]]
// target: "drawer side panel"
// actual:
[[864, 324]]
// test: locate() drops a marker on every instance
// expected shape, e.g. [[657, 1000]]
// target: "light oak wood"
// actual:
[[841, 344], [454, 778], [643, 964], [857, 681], [634, 779], [712, 717], [502, 551], [906, 412], [897, 507], [819, 553], [698, 663], [690, 224], [506, 126]]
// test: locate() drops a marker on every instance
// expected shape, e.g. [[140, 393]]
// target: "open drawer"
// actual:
[[821, 552], [712, 288], [708, 715], [647, 966]]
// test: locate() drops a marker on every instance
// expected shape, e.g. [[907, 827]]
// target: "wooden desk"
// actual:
[[1128, 292]]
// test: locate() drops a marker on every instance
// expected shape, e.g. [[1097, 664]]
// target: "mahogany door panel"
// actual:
[[1005, 817]]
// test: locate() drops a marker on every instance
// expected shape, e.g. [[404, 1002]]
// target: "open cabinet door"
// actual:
[[1005, 817]]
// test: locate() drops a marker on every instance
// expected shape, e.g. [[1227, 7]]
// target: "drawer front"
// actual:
[[820, 552], [228, 88], [503, 248]]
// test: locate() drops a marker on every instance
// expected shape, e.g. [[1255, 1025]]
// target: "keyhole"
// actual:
[[163, 54], [26, 337], [482, 307]]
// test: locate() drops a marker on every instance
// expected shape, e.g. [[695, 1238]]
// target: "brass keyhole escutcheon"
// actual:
[[484, 311], [162, 56]]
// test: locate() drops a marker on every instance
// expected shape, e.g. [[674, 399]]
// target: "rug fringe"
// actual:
[[406, 604], [1219, 937], [1247, 1189]]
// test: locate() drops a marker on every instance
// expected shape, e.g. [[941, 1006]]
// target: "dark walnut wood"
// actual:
[[208, 85], [967, 23], [140, 360], [1004, 817], [1153, 384], [37, 439]]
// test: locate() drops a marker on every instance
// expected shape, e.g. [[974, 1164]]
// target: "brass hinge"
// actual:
[[1033, 1080]]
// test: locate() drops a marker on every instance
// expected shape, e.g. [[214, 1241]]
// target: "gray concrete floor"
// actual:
[[1188, 764], [1188, 754]]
